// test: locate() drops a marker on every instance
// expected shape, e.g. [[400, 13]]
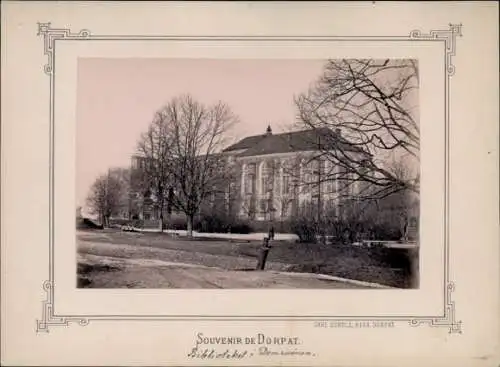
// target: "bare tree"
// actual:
[[373, 104], [388, 215], [154, 177], [196, 135], [104, 197], [224, 201], [122, 176], [249, 206], [231, 189], [399, 207]]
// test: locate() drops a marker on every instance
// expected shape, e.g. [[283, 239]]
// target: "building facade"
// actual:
[[273, 175], [279, 173]]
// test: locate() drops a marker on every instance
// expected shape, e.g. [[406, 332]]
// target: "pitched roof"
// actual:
[[297, 141], [245, 143]]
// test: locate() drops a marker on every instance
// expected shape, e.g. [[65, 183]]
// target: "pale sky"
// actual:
[[117, 99]]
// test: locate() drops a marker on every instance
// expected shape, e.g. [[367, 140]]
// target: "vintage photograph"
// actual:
[[237, 171], [247, 173]]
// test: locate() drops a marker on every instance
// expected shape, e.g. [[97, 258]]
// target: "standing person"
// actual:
[[271, 233]]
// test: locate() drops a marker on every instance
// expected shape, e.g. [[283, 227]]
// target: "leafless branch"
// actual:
[[372, 102], [189, 137]]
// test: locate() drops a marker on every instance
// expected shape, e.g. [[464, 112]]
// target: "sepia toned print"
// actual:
[[130, 284], [203, 189]]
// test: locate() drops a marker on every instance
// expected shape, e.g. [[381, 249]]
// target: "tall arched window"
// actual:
[[286, 184], [267, 179], [250, 179]]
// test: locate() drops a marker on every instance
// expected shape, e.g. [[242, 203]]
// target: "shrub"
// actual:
[[177, 223], [241, 228], [352, 230], [345, 230], [210, 224], [385, 231], [260, 226], [221, 223], [284, 226], [304, 228], [85, 223]]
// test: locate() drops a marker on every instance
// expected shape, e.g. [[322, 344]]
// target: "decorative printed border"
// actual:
[[51, 35]]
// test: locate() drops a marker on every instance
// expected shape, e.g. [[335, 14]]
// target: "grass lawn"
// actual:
[[384, 266]]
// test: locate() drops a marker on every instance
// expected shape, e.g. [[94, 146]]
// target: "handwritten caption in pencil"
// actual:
[[241, 347]]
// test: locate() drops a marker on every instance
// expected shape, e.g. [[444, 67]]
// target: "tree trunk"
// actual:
[[160, 217], [404, 228], [190, 219]]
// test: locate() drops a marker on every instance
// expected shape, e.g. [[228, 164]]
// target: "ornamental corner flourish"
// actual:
[[449, 36], [51, 35]]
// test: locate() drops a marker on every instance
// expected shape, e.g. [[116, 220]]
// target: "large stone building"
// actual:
[[273, 175], [281, 172]]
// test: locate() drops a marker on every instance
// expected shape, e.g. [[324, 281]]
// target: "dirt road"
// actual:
[[110, 272]]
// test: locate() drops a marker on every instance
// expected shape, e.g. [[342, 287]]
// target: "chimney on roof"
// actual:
[[269, 131]]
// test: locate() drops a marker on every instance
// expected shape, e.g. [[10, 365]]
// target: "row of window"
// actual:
[[284, 209], [311, 173], [267, 185]]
